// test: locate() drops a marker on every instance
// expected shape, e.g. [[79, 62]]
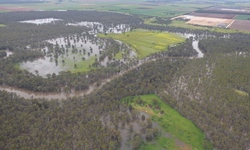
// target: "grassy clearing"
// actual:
[[242, 93], [145, 42], [180, 128], [150, 21], [182, 24], [82, 66], [242, 17], [2, 25]]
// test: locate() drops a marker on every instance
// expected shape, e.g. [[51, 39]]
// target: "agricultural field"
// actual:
[[129, 7], [242, 17], [183, 24], [241, 25], [2, 25], [206, 21], [145, 42], [177, 131]]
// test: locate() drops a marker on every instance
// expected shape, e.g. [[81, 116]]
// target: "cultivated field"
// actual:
[[241, 25], [212, 15], [145, 42], [205, 21]]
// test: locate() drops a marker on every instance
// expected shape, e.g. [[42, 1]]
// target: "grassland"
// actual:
[[2, 25], [180, 128], [145, 42], [242, 17], [82, 66]]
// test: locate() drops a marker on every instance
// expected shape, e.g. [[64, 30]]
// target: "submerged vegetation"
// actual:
[[149, 90]]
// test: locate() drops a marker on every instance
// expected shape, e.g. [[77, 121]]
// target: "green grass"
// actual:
[[2, 25], [242, 93], [171, 122], [150, 21], [242, 17], [182, 24], [82, 66], [145, 42]]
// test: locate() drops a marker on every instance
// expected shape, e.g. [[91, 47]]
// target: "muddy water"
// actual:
[[49, 96], [67, 52], [196, 47], [72, 50]]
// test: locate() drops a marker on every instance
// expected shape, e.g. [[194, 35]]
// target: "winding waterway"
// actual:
[[30, 94]]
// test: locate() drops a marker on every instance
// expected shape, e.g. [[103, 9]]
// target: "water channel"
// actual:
[[29, 94]]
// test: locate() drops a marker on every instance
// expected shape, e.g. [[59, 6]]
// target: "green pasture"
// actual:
[[173, 123], [145, 42], [2, 25], [81, 66], [242, 17]]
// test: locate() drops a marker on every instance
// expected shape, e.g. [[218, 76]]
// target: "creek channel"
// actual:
[[30, 94]]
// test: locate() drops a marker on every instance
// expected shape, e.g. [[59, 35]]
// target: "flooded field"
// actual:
[[100, 28], [80, 52], [41, 21]]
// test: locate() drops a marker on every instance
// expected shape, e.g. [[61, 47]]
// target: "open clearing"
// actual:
[[178, 128], [212, 15], [145, 42], [241, 25], [205, 21]]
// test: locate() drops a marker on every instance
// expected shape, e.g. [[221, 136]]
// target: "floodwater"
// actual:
[[41, 21], [196, 47], [66, 53], [195, 44], [100, 28], [49, 96]]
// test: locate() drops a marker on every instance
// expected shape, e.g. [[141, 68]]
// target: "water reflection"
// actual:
[[100, 28], [79, 51], [41, 21]]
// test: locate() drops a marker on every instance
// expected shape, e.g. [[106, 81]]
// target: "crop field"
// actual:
[[161, 10], [2, 25], [179, 129], [212, 15], [205, 21], [242, 17], [183, 24], [145, 42], [14, 8], [241, 25]]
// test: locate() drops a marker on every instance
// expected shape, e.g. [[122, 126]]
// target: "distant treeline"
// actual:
[[21, 2]]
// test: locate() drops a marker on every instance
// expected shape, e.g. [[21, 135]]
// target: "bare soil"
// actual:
[[241, 25], [205, 21]]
